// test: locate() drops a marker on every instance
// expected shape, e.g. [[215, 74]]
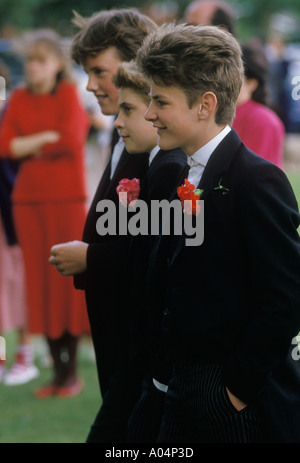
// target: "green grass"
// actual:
[[25, 419], [294, 177]]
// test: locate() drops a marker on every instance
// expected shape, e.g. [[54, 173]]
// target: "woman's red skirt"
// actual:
[[54, 305]]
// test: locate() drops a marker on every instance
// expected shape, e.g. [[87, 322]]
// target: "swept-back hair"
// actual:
[[124, 29], [197, 59]]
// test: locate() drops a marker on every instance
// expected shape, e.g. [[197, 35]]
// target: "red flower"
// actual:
[[128, 191], [189, 197]]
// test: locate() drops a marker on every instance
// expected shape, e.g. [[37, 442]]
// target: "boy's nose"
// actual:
[[149, 114], [118, 122], [91, 85]]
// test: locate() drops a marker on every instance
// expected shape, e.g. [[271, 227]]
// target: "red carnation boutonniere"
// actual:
[[189, 197], [128, 191]]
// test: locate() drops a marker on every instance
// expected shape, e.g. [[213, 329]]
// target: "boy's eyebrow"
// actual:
[[124, 103], [93, 69], [157, 96]]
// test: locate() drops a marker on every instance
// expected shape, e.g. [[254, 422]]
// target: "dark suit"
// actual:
[[234, 301], [8, 174], [163, 175], [106, 258]]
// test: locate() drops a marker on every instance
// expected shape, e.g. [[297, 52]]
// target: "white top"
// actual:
[[153, 154], [198, 160], [115, 158]]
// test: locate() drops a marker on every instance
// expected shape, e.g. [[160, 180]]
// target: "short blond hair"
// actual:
[[197, 59], [129, 76]]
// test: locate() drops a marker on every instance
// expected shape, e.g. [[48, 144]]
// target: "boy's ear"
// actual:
[[207, 105]]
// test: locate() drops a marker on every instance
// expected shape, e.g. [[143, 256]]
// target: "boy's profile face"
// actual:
[[100, 70], [138, 134], [177, 125]]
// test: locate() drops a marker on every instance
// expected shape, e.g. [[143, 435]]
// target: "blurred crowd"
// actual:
[[267, 110]]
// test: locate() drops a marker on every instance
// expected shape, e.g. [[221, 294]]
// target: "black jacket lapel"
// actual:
[[219, 162]]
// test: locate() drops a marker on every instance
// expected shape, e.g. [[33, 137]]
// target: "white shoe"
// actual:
[[20, 374]]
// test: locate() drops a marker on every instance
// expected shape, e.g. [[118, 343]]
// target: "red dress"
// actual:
[[49, 202]]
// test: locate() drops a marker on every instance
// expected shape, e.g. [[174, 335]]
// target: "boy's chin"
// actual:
[[134, 151], [166, 145]]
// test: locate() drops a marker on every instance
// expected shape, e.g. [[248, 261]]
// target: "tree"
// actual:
[[253, 15]]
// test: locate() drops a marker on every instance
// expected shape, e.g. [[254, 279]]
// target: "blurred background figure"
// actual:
[[162, 12], [13, 306], [275, 49], [45, 127], [211, 13], [258, 126]]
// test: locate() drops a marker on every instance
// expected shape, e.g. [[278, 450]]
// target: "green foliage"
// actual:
[[253, 15], [294, 178], [52, 13]]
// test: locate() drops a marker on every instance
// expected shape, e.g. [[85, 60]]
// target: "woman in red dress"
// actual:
[[45, 126]]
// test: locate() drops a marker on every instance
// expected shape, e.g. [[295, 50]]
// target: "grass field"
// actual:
[[294, 177], [24, 419]]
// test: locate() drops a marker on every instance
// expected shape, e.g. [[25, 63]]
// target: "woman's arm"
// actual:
[[32, 144]]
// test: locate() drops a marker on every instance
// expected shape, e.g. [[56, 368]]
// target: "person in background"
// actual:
[[211, 13], [45, 129], [103, 42], [13, 304], [258, 126]]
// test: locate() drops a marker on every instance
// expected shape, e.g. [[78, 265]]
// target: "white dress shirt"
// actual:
[[198, 160], [153, 153], [115, 158]]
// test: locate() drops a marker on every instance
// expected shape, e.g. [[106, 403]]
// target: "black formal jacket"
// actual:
[[108, 291], [163, 175], [235, 299], [106, 256], [8, 174]]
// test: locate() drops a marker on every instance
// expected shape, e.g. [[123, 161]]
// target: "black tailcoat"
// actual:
[[235, 299]]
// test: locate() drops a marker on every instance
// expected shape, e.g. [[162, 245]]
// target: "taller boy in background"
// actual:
[[232, 318], [103, 42]]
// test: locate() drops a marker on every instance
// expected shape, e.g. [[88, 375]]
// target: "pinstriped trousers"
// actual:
[[198, 409]]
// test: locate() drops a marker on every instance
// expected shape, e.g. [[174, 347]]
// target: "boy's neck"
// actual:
[[208, 132]]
